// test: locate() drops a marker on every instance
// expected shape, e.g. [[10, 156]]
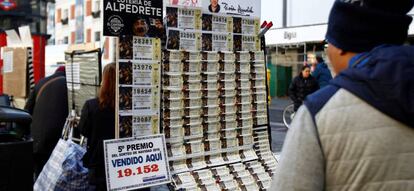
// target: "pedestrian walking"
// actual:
[[97, 123], [357, 133], [301, 86], [321, 73], [48, 105]]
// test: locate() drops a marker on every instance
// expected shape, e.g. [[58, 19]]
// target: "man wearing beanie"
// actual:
[[358, 132]]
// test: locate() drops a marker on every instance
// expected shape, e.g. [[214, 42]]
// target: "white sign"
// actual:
[[8, 62], [290, 35], [24, 40], [134, 163], [249, 8], [296, 35]]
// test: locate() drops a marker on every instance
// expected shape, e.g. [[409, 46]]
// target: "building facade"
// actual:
[[77, 22], [17, 13], [289, 46]]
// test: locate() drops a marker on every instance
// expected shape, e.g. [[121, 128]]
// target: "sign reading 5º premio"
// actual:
[[134, 163], [141, 18]]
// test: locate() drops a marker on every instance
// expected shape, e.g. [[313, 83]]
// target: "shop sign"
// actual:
[[141, 18], [7, 5]]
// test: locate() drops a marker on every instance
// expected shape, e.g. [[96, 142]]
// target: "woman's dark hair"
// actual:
[[303, 68], [107, 91], [319, 59]]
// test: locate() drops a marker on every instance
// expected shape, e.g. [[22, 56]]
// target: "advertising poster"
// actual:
[[134, 163], [183, 18], [247, 8], [141, 18]]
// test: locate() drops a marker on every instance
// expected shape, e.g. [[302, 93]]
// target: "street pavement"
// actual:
[[277, 127]]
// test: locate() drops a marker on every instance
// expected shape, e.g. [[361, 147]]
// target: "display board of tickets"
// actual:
[[215, 120], [138, 93], [191, 29]]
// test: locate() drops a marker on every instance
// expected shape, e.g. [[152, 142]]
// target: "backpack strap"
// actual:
[[47, 83]]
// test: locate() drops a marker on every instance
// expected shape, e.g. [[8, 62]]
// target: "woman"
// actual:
[[97, 123], [301, 86]]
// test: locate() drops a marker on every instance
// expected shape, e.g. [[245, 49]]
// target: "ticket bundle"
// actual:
[[215, 160], [231, 157], [178, 166], [196, 163], [183, 180], [248, 155], [214, 104]]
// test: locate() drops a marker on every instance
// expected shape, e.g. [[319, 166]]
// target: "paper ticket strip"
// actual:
[[214, 111], [207, 89], [139, 86]]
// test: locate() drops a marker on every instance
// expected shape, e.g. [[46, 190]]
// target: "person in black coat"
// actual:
[[301, 86], [97, 123], [48, 105]]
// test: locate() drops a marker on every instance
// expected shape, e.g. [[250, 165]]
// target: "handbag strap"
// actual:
[[47, 83]]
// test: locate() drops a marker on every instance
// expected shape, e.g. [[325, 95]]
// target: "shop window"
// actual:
[[97, 36], [65, 40], [96, 9], [65, 17]]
